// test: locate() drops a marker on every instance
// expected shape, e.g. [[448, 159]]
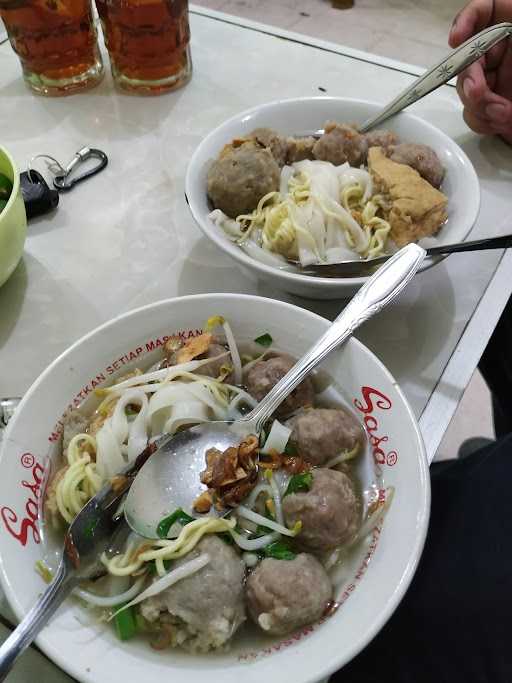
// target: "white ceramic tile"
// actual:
[[473, 418], [285, 13], [391, 28]]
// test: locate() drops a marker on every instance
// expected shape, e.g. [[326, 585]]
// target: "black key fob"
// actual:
[[38, 197]]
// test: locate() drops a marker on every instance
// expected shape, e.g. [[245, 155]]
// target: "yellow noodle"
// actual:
[[131, 561], [81, 481], [351, 196]]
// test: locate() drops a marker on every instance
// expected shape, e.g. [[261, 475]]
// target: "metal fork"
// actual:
[[90, 534], [362, 268]]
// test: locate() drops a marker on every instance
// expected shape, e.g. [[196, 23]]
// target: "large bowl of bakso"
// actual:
[[294, 183], [300, 542]]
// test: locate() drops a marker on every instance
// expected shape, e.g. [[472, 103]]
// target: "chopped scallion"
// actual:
[[264, 340], [299, 483], [165, 525], [125, 623], [279, 550]]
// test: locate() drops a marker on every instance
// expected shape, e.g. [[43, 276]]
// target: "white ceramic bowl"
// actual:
[[308, 114], [369, 590]]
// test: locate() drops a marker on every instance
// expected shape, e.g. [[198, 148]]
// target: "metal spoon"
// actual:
[[170, 478], [96, 528], [456, 61], [442, 72], [361, 268]]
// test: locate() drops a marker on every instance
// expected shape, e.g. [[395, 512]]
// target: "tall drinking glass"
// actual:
[[56, 42], [148, 43]]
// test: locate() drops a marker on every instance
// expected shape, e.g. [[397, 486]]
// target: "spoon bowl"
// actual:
[[170, 479], [173, 479], [360, 267]]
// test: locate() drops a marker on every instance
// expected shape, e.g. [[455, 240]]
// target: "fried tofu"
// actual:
[[416, 208]]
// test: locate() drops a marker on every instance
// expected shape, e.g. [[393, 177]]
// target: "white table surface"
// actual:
[[125, 237]]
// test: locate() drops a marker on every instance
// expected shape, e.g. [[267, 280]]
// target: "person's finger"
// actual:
[[491, 77], [494, 56], [472, 86], [490, 109], [477, 124], [473, 18], [500, 118], [503, 83]]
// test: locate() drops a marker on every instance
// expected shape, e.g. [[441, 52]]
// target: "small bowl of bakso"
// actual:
[[294, 183], [300, 542]]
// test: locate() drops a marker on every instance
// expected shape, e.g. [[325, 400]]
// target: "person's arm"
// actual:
[[485, 87]]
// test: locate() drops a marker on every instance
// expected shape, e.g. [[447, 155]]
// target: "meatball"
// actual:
[[341, 143], [382, 138], [283, 595], [213, 369], [266, 373], [422, 158], [240, 177], [274, 142], [320, 434], [208, 605], [299, 149], [329, 511]]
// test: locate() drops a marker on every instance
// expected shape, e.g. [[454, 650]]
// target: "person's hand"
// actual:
[[485, 87]]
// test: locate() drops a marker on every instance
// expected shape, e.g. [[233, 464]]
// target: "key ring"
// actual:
[[62, 180]]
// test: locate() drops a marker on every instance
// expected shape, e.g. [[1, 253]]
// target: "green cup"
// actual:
[[13, 220]]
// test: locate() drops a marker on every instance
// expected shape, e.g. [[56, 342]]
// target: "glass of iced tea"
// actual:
[[56, 42], [148, 43]]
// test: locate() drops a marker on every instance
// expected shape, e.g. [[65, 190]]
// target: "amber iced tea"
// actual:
[[148, 43], [56, 42]]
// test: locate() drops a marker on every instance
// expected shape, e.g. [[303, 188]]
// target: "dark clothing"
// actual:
[[496, 368], [453, 625]]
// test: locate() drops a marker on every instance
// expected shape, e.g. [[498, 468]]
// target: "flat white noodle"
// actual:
[[166, 396], [319, 226], [242, 396], [187, 412], [161, 404], [201, 392], [138, 436], [307, 255], [263, 256], [349, 175], [136, 432], [322, 177], [337, 254], [286, 174], [277, 438], [226, 224], [109, 458], [349, 224], [309, 217]]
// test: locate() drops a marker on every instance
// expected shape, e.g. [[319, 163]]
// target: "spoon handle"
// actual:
[[503, 242], [458, 60], [380, 289], [34, 621]]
